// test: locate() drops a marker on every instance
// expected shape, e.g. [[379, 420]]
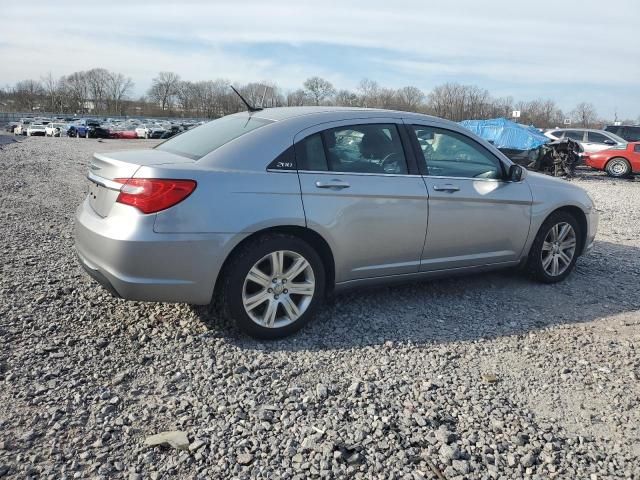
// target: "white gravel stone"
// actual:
[[565, 358]]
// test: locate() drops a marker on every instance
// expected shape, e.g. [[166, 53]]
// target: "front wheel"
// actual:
[[273, 286], [618, 167], [555, 249]]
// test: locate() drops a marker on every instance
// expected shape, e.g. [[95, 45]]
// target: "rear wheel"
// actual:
[[273, 286], [618, 167], [555, 249]]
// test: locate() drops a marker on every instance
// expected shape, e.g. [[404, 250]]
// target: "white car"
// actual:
[[21, 128], [591, 140], [56, 129], [36, 129], [149, 131]]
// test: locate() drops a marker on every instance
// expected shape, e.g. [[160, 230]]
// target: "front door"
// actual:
[[476, 217], [359, 194]]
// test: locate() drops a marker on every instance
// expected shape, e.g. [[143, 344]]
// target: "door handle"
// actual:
[[335, 183], [446, 188]]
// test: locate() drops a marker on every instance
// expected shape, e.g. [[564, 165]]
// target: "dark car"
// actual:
[[11, 126], [631, 133], [99, 131]]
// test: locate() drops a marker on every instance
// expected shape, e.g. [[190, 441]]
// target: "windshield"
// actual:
[[198, 142]]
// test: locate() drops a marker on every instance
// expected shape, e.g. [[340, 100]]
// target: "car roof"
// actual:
[[579, 130], [322, 112]]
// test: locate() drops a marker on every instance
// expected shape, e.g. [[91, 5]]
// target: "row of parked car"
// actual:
[[615, 150], [94, 128]]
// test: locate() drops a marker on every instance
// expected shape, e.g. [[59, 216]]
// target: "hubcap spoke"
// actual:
[[546, 246], [566, 228], [257, 299], [301, 288], [259, 277], [290, 307], [296, 269], [567, 244], [554, 266], [547, 261], [270, 313], [564, 257], [277, 263]]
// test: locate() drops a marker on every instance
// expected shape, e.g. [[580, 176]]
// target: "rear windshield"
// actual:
[[198, 142]]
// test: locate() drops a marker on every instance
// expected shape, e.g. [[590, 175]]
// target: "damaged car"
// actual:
[[528, 147]]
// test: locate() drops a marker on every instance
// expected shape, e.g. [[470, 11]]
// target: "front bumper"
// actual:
[[125, 255], [593, 218]]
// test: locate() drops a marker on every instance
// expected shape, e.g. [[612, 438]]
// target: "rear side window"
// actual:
[[636, 148], [200, 141], [574, 135], [310, 154], [370, 148]]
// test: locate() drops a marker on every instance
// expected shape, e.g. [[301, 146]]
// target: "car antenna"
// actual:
[[249, 106]]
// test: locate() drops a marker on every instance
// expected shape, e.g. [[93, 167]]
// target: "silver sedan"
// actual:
[[267, 212]]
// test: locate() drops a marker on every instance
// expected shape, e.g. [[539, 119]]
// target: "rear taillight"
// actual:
[[150, 195]]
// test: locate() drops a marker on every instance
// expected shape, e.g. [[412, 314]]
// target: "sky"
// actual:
[[569, 50]]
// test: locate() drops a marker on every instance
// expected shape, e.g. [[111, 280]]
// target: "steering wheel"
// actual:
[[388, 161]]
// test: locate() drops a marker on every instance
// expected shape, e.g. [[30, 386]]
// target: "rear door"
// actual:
[[362, 192], [475, 217]]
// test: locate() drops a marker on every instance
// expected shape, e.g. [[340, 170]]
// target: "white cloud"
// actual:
[[502, 41]]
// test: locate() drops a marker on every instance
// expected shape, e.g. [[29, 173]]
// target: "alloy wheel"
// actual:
[[618, 167], [278, 289], [558, 249]]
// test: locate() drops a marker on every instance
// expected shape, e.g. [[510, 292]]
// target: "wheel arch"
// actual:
[[310, 236], [581, 218]]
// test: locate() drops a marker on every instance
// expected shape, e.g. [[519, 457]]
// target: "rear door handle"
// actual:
[[446, 188], [335, 183]]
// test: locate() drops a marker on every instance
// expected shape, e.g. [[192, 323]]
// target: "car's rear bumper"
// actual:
[[125, 255]]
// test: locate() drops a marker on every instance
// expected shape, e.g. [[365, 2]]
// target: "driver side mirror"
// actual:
[[609, 142], [515, 174]]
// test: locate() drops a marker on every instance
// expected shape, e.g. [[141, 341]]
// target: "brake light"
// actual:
[[150, 195]]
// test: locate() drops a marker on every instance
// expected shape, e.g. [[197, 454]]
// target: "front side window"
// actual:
[[451, 154], [597, 137]]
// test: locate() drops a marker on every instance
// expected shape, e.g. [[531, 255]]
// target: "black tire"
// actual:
[[618, 167], [236, 270], [534, 266]]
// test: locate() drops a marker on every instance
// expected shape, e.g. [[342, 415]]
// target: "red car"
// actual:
[[617, 162], [131, 134]]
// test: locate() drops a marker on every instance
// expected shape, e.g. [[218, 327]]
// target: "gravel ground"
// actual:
[[489, 376]]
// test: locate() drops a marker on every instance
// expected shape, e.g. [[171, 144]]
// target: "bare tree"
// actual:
[[296, 98], [584, 115], [118, 88], [164, 88], [318, 89], [410, 99], [346, 98], [28, 94], [54, 92], [368, 93]]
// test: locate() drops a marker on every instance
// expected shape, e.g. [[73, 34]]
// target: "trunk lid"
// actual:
[[105, 167]]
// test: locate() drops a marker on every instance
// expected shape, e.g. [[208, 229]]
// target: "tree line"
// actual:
[[101, 92]]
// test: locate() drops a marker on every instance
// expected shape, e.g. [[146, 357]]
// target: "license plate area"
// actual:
[[101, 198]]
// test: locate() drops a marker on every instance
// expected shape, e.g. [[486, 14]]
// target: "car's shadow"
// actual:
[[604, 283]]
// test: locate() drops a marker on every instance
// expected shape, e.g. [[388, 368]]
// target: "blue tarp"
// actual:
[[504, 133]]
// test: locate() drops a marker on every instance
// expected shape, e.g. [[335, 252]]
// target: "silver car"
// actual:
[[269, 211]]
